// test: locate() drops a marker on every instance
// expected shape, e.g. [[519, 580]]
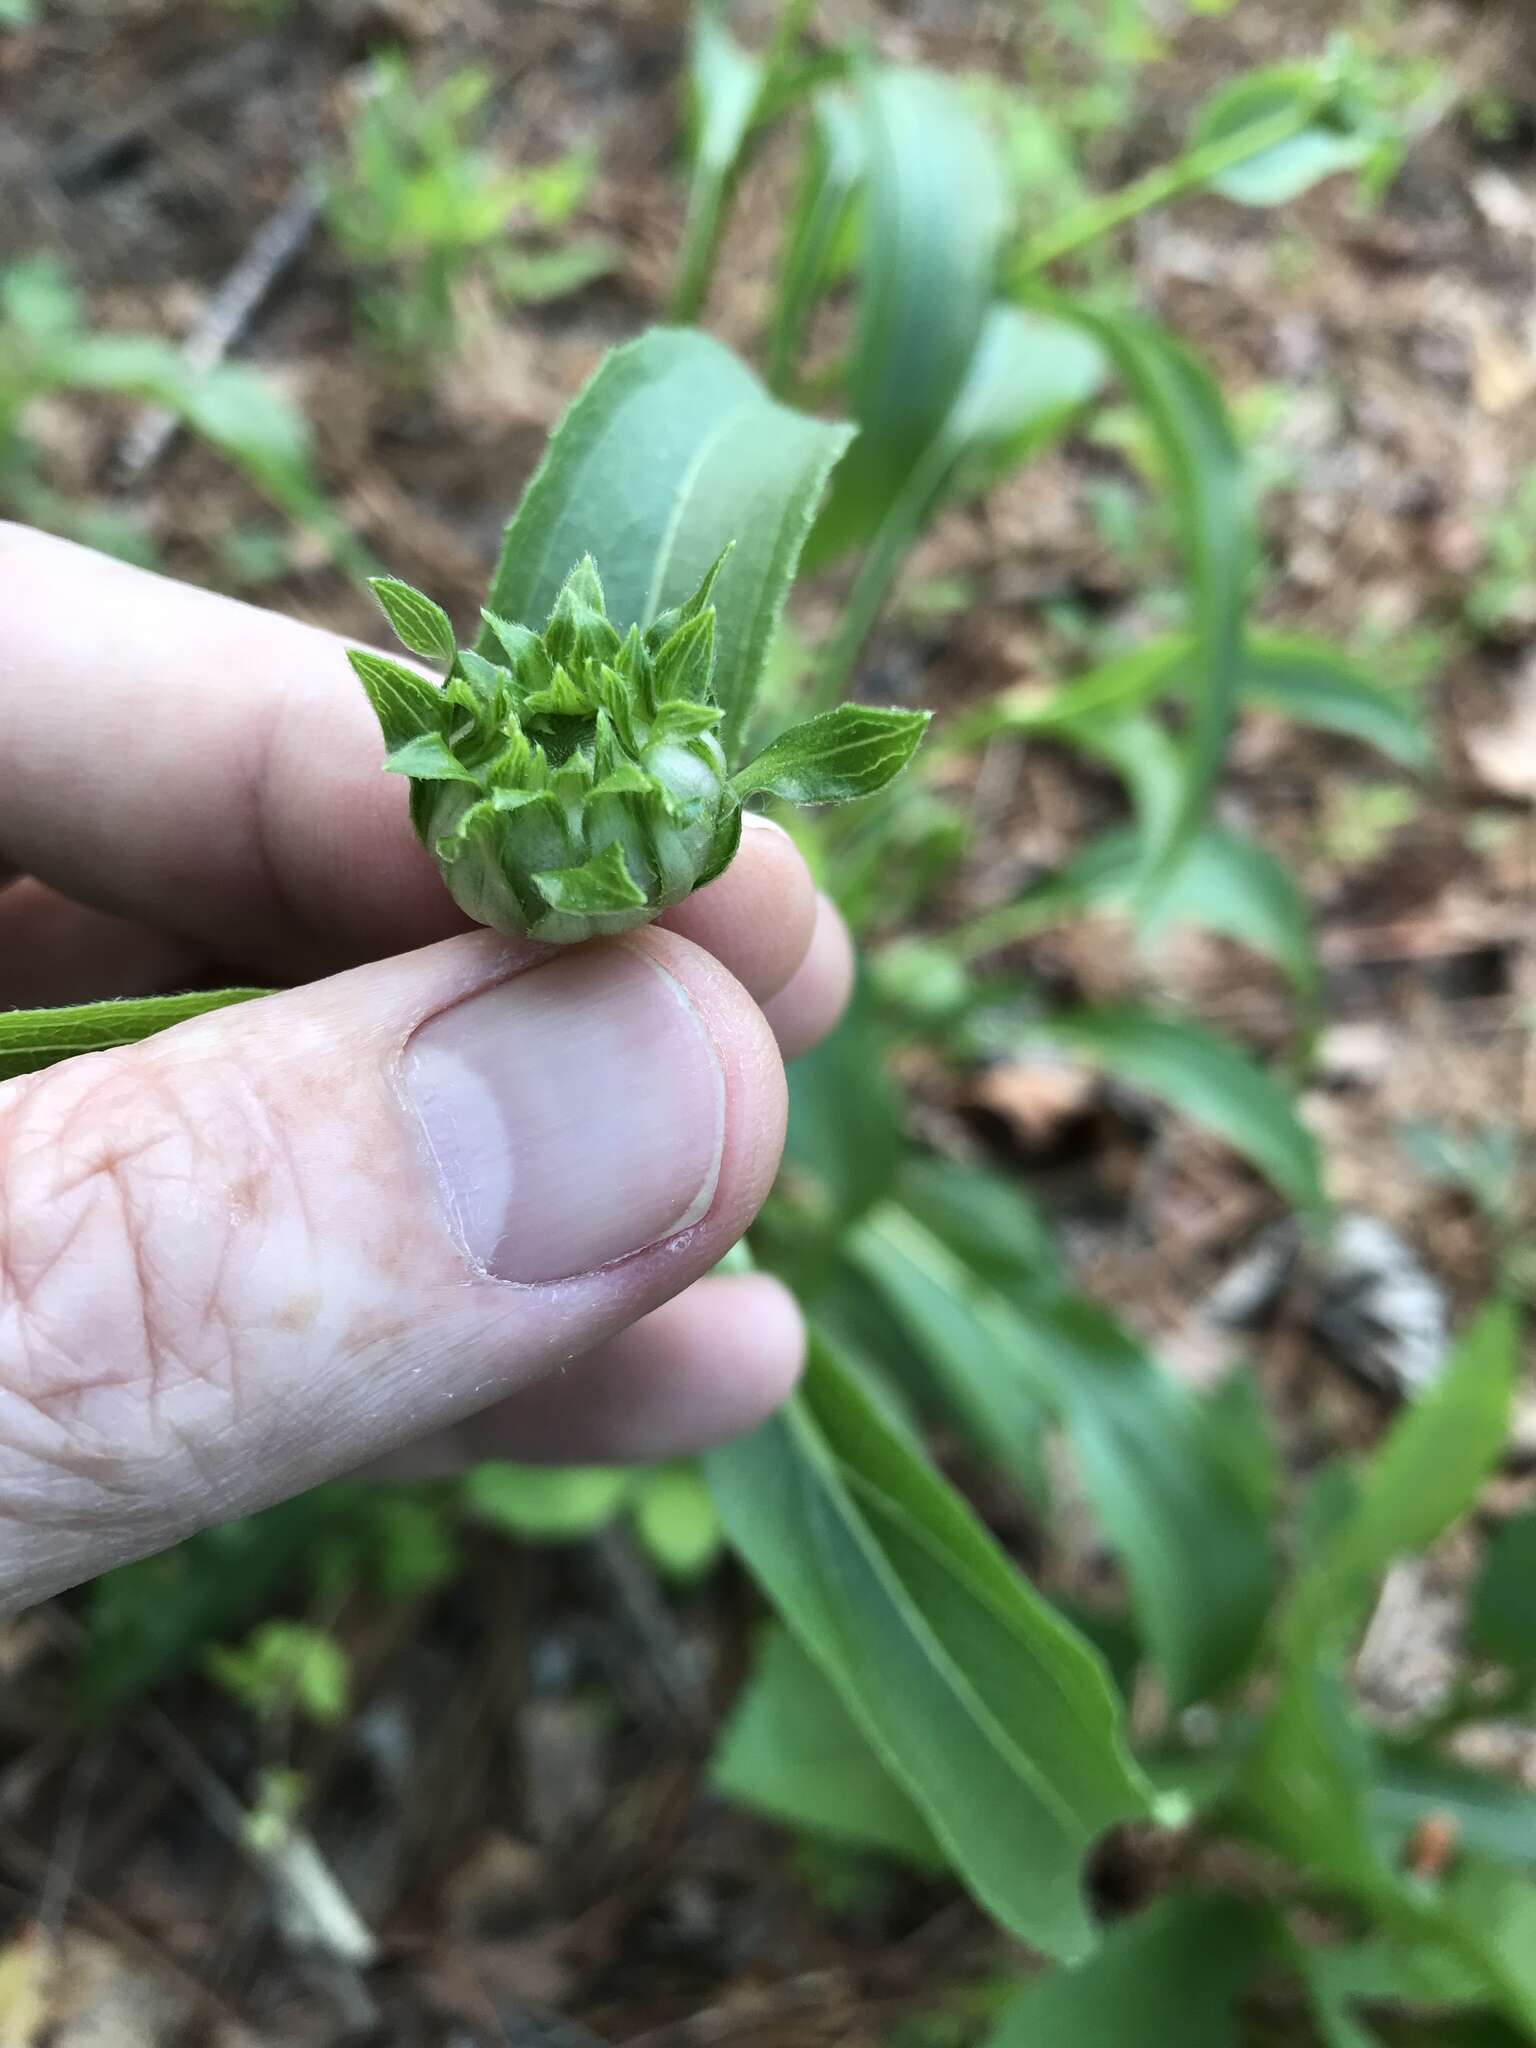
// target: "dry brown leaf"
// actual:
[[1037, 1099]]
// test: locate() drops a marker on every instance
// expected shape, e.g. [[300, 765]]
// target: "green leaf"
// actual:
[[1490, 1815], [840, 755], [285, 1664], [704, 455], [601, 885], [406, 705], [430, 759], [1208, 1079], [676, 1521], [544, 1503], [1031, 373], [30, 1039], [1425, 1477], [231, 406], [977, 1698], [1492, 1913], [1228, 883], [1225, 882], [1156, 1464], [935, 214], [1116, 688], [1324, 145], [985, 1217], [843, 1144], [421, 626], [1395, 1970], [834, 168], [1501, 1620], [1309, 1783], [725, 88], [792, 1750], [150, 1621], [1170, 1978], [985, 1373], [1308, 680], [1183, 408], [1318, 684], [1026, 379]]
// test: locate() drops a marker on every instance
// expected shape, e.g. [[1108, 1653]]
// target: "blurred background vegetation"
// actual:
[[1168, 1180]]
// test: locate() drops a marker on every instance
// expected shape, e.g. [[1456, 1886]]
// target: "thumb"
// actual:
[[285, 1238]]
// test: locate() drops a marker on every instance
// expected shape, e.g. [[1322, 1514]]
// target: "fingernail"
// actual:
[[575, 1114]]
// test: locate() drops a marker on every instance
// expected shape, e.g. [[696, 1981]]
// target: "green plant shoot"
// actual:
[[579, 786]]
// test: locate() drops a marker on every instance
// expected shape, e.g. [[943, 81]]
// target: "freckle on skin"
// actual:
[[245, 1199], [299, 1314]]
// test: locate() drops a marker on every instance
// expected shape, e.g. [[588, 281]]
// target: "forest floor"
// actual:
[[517, 1806]]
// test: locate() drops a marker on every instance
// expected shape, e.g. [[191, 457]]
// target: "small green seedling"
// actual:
[[420, 208], [578, 787]]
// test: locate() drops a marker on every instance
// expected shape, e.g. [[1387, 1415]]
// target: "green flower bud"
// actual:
[[578, 787], [575, 788]]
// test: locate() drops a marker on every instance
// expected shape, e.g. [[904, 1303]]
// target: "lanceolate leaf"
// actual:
[[1184, 409], [987, 1377], [1325, 140], [792, 1749], [725, 86], [990, 1713], [673, 448], [1154, 1462], [1169, 1978], [836, 160], [1311, 681], [849, 752], [420, 625], [407, 705], [1228, 883], [1027, 377], [1308, 1786], [30, 1039], [1424, 1478], [1318, 684], [1206, 1078], [935, 215]]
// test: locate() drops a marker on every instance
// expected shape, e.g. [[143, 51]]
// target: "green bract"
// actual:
[[578, 786]]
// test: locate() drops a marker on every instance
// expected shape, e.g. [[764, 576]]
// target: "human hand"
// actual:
[[463, 1197]]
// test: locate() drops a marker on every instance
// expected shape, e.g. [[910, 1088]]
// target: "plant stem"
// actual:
[[701, 235], [1186, 173]]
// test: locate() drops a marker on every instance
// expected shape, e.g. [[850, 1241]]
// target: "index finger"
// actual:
[[211, 769]]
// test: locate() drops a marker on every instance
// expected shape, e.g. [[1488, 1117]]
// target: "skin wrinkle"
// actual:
[[188, 1336], [404, 1340]]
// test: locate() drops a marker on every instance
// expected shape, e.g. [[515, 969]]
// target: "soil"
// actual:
[[518, 1805]]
